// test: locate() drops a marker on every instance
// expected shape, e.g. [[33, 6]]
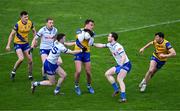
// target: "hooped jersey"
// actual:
[[162, 48], [47, 37], [22, 32], [117, 50]]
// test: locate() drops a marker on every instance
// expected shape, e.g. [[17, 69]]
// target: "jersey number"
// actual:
[[54, 50]]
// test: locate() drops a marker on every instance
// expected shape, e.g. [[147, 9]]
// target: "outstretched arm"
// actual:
[[146, 46], [69, 43], [73, 52], [99, 45]]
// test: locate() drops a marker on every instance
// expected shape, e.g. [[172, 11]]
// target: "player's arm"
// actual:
[[69, 43], [123, 55], [171, 51], [73, 52], [34, 42], [99, 45], [33, 30], [59, 62], [13, 32], [79, 40], [146, 46]]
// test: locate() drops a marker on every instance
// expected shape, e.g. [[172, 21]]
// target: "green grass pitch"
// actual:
[[135, 20]]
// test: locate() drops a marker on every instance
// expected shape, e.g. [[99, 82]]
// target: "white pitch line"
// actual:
[[143, 27], [126, 30]]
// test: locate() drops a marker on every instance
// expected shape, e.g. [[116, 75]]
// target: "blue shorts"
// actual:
[[23, 47], [159, 63], [83, 56], [45, 51], [50, 68], [126, 66]]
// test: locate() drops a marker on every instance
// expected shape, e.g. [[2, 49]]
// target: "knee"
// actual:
[[52, 82], [106, 74], [21, 59], [151, 71], [64, 75], [30, 61]]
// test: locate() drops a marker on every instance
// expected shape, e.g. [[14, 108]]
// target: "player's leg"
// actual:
[[60, 71], [151, 71], [51, 81], [120, 79], [43, 58], [88, 76], [18, 62], [109, 75], [78, 65], [30, 64]]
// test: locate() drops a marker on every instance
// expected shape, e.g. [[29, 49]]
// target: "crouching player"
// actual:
[[121, 69], [51, 66]]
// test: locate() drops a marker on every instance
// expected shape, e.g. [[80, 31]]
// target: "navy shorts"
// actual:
[[83, 56], [126, 66], [50, 68], [45, 51], [23, 47], [159, 63]]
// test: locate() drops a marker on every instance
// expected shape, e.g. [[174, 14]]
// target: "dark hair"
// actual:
[[48, 19], [88, 20], [114, 35], [59, 36], [160, 34], [23, 13]]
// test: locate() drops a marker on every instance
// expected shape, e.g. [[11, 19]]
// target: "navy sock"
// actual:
[[115, 86], [123, 95], [57, 87]]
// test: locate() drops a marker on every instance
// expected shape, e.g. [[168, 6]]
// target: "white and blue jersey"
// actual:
[[117, 50], [50, 65], [47, 38]]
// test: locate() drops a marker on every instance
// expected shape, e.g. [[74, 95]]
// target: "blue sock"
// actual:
[[123, 95], [57, 88], [115, 86]]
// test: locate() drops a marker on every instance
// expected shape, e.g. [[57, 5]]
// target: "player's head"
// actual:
[[49, 23], [159, 37], [60, 37], [112, 37], [89, 24], [24, 16]]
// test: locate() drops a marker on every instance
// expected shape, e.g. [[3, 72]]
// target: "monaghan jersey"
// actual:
[[47, 37], [161, 48], [117, 50], [55, 52], [22, 32]]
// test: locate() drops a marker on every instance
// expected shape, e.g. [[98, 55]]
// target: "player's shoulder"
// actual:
[[79, 31]]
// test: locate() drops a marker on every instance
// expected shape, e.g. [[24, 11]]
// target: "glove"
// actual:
[[91, 33], [31, 50], [84, 49]]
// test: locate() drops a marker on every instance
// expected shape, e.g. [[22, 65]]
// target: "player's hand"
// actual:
[[30, 50], [141, 50], [162, 55], [8, 48], [84, 49]]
